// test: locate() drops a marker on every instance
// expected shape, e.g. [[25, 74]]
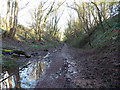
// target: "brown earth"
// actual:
[[93, 70], [74, 68]]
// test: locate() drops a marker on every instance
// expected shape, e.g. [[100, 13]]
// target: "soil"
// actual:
[[73, 67], [76, 68]]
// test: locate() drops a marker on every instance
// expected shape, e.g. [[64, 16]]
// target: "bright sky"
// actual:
[[24, 14]]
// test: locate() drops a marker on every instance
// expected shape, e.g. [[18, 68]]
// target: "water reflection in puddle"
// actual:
[[25, 78], [31, 74]]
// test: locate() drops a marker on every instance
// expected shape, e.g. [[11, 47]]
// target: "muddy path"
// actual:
[[66, 67], [76, 68], [56, 75], [64, 71]]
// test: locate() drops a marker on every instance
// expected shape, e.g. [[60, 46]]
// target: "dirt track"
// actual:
[[75, 68], [55, 76]]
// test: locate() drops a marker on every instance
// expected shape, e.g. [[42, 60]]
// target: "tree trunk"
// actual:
[[99, 16]]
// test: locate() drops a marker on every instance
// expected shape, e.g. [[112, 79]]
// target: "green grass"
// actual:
[[100, 38], [10, 64], [45, 44]]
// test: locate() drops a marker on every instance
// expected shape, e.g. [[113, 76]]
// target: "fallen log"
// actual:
[[15, 53]]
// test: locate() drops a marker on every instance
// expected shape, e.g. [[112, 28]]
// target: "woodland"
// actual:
[[83, 53]]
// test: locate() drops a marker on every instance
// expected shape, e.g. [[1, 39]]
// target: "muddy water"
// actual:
[[61, 70], [26, 77], [30, 75]]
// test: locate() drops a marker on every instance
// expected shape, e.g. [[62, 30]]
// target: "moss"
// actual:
[[27, 55], [6, 51], [15, 55], [9, 64]]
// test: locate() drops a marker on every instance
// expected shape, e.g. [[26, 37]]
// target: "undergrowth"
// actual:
[[98, 37]]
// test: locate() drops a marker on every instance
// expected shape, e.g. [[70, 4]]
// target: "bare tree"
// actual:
[[99, 15], [7, 14], [42, 16], [12, 16]]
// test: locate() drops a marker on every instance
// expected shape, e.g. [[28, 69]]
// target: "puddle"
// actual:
[[26, 77], [71, 67], [30, 75]]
